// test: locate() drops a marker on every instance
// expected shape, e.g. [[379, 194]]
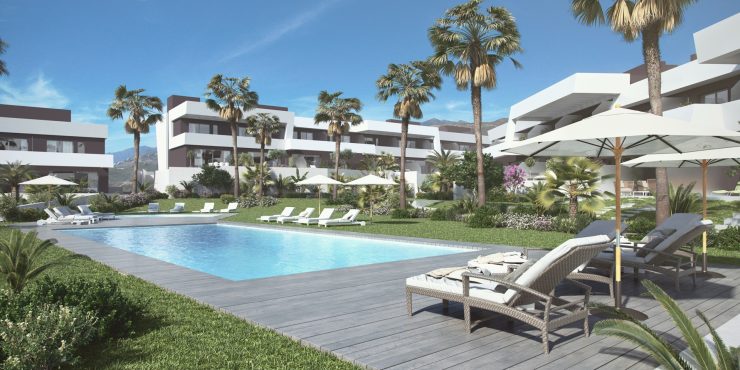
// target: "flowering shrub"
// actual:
[[520, 221], [139, 199], [514, 176], [46, 338], [250, 200]]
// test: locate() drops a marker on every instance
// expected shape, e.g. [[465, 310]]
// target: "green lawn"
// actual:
[[179, 333], [717, 210]]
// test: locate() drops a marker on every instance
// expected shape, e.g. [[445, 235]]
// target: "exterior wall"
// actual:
[[102, 173]]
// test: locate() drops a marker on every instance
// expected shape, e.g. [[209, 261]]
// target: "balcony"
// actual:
[[718, 116], [53, 159], [220, 141], [199, 110]]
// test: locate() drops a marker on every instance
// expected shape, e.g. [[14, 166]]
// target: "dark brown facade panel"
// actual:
[[102, 173], [37, 143], [175, 100], [48, 114]]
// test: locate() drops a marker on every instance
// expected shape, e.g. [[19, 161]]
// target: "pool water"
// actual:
[[241, 253]]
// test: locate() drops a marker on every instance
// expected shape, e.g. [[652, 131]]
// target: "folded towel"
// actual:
[[499, 258], [448, 272]]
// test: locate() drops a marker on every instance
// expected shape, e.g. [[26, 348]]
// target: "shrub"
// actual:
[[227, 198], [482, 217], [525, 209], [345, 197], [105, 203], [214, 178], [11, 213], [566, 224], [46, 338], [728, 239], [250, 200], [444, 214], [683, 199], [640, 226], [171, 190], [296, 194], [344, 208], [102, 297], [435, 195], [402, 213]]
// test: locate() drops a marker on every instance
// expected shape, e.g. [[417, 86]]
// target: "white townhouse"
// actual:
[[704, 91], [47, 140], [192, 135]]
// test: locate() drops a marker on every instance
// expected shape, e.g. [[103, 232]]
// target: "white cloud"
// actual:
[[39, 92], [281, 30]]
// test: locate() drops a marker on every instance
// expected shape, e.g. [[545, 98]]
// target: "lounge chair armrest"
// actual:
[[508, 284], [586, 288], [670, 255]]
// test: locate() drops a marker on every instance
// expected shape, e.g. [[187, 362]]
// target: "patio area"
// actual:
[[359, 313]]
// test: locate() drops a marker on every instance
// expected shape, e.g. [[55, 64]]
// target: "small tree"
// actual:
[[465, 172], [276, 155], [573, 179], [514, 176], [212, 177], [14, 173]]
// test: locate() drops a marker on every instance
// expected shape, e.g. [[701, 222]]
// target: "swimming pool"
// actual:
[[165, 215], [241, 253]]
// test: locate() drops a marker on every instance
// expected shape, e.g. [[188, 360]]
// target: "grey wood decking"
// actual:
[[359, 313]]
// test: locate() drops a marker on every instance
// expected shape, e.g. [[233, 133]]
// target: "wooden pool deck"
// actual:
[[359, 313]]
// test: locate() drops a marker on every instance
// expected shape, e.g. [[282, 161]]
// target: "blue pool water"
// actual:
[[240, 253]]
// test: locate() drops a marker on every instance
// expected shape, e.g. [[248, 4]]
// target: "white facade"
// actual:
[[304, 141], [704, 91]]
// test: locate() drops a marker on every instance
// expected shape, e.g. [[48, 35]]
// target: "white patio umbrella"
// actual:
[[319, 180], [371, 180], [619, 132], [49, 180], [704, 159]]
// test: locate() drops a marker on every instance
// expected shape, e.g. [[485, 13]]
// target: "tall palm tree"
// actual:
[[262, 126], [468, 44], [14, 173], [573, 179], [412, 84], [647, 19], [341, 114], [231, 97], [442, 162], [142, 110], [3, 69]]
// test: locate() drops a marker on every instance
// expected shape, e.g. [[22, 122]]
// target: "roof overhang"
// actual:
[[716, 43]]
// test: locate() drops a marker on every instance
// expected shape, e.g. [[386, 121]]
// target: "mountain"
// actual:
[[128, 154], [441, 122]]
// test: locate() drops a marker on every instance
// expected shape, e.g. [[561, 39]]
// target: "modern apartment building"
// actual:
[[192, 135], [48, 141], [704, 91]]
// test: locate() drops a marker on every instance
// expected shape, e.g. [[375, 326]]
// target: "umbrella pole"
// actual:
[[618, 222], [704, 269]]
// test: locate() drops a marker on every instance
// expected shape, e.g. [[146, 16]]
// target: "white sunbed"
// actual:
[[179, 208], [347, 219], [64, 211], [56, 219], [153, 208], [325, 215], [207, 208], [230, 208], [86, 211], [305, 214], [287, 211]]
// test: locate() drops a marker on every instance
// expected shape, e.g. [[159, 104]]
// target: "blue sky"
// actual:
[[72, 54]]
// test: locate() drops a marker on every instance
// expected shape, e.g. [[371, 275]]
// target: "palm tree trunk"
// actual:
[[573, 207], [402, 178], [135, 177], [475, 97], [262, 168], [651, 54], [337, 145], [235, 156]]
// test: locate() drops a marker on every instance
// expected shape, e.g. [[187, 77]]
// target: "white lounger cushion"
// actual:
[[482, 291]]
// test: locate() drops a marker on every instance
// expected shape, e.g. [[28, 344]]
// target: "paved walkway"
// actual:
[[359, 313]]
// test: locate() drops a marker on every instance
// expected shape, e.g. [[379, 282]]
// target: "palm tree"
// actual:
[[21, 259], [14, 173], [341, 114], [647, 19], [575, 179], [412, 84], [3, 69], [626, 327], [231, 97], [468, 45], [262, 126], [257, 176], [298, 177], [142, 110], [442, 162]]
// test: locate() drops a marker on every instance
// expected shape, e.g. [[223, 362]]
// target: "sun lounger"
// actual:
[[64, 211], [347, 219], [287, 211], [729, 192], [231, 207], [179, 208], [525, 295], [305, 214], [153, 208], [325, 215], [57, 219], [207, 208], [86, 211]]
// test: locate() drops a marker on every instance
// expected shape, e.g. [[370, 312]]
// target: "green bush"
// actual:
[[483, 217], [345, 197], [569, 225], [445, 214], [728, 239], [402, 213], [103, 297], [435, 195], [227, 198], [525, 209], [104, 203], [11, 213], [640, 226], [47, 337]]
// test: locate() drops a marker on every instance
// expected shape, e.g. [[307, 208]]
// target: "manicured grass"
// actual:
[[717, 210], [418, 227], [179, 333]]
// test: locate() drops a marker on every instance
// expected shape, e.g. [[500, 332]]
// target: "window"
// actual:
[[716, 97], [9, 143], [59, 146], [80, 147], [370, 140], [411, 144], [310, 161], [345, 138], [305, 135], [199, 128]]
